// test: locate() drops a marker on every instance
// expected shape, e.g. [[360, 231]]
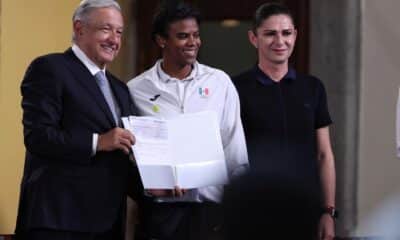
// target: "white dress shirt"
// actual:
[[93, 69], [206, 89]]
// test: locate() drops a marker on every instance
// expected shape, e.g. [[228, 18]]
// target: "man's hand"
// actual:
[[117, 138], [176, 192], [326, 228]]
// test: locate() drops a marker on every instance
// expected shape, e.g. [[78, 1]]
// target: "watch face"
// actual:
[[331, 211], [335, 213]]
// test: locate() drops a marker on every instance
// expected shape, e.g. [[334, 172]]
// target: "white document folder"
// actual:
[[185, 151]]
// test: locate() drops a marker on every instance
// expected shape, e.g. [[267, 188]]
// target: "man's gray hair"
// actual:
[[86, 6]]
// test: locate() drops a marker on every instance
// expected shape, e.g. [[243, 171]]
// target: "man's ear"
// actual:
[[78, 27], [161, 41], [252, 38]]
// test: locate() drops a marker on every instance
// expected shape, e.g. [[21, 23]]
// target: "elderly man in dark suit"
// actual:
[[77, 170]]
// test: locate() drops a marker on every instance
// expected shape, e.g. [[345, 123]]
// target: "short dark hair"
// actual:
[[172, 12], [267, 10]]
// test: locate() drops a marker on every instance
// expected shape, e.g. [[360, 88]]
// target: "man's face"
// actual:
[[274, 39], [182, 43], [99, 36]]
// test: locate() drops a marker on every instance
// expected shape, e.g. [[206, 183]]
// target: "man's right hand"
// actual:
[[116, 138]]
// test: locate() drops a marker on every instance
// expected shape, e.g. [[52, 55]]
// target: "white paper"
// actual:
[[157, 176], [202, 174], [186, 149]]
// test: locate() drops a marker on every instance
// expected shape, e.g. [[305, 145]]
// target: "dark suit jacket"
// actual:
[[64, 187]]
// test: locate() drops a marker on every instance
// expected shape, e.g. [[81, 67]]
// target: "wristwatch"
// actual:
[[331, 211]]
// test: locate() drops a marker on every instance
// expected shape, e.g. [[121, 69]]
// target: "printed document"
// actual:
[[185, 151]]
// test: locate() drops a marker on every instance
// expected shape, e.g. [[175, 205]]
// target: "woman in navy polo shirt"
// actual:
[[285, 114]]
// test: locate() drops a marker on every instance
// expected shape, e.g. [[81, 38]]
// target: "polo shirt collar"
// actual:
[[266, 80], [164, 77]]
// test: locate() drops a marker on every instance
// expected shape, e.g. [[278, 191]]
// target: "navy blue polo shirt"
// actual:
[[280, 120]]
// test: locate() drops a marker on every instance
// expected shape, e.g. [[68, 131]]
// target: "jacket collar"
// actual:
[[87, 80], [198, 71]]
